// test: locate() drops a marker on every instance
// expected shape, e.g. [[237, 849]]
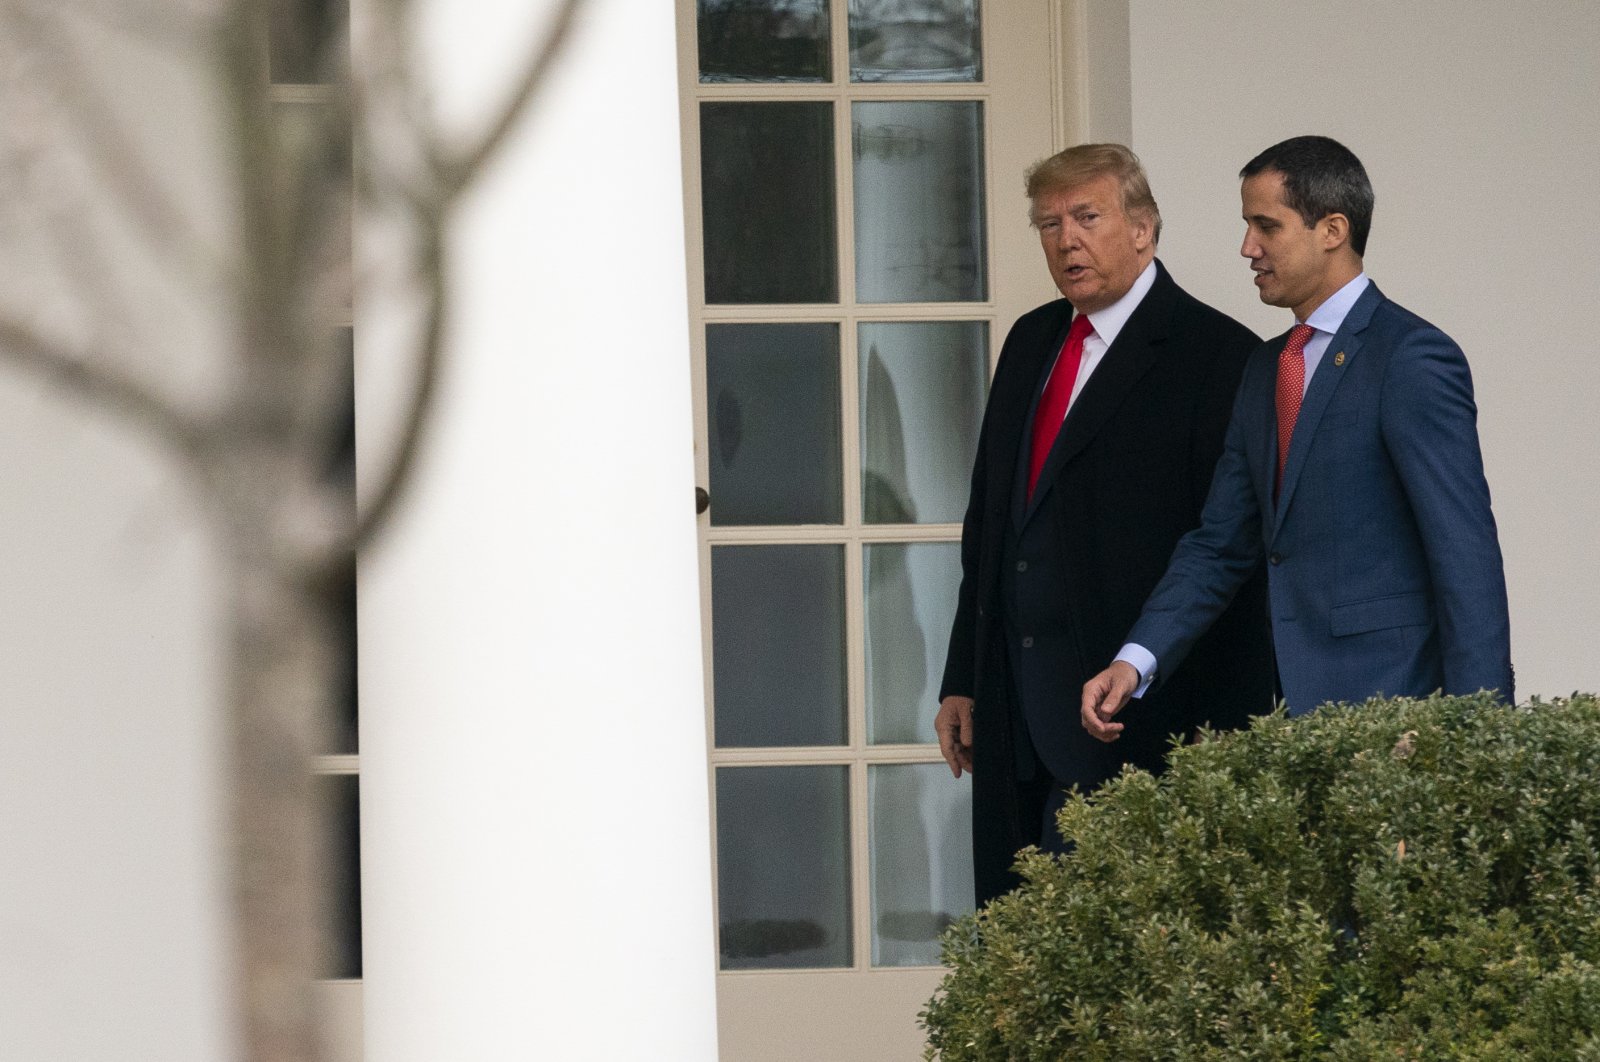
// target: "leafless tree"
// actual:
[[244, 225]]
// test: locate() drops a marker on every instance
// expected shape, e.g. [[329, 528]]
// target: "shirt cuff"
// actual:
[[1142, 662]]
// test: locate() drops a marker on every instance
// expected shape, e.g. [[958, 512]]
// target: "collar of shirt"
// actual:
[[1327, 319], [1107, 325], [1109, 321]]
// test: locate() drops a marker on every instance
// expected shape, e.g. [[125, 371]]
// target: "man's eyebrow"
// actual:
[[1070, 209]]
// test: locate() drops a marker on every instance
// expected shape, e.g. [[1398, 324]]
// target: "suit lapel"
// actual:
[[1336, 360], [1125, 362], [1261, 381]]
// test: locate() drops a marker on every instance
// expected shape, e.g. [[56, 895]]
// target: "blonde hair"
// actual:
[[1076, 165]]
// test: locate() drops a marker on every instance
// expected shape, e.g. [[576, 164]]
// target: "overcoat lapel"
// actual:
[[1126, 361], [1336, 360], [1037, 371]]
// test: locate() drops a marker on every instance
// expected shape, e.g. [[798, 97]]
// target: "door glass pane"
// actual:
[[767, 193], [773, 411], [764, 40], [339, 475], [300, 131], [922, 391], [921, 859], [783, 867], [920, 233], [777, 645], [914, 40], [910, 603], [342, 884], [298, 32]]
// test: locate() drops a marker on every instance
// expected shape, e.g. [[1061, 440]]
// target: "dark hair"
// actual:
[[1320, 177]]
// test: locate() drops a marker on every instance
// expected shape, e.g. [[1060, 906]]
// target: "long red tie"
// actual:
[[1291, 388], [1057, 394]]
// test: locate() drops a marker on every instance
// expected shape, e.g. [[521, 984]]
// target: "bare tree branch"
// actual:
[[430, 210], [161, 22], [99, 385], [139, 194], [402, 458], [318, 237], [461, 171], [393, 128]]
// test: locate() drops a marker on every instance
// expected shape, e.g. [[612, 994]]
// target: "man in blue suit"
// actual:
[[1351, 465]]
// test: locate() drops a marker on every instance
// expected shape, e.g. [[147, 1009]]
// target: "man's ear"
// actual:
[[1144, 230], [1335, 231]]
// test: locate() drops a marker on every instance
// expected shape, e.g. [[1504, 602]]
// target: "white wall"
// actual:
[[112, 920], [1480, 128], [113, 883]]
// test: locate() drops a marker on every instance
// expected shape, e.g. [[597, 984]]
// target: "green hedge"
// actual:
[[1397, 880]]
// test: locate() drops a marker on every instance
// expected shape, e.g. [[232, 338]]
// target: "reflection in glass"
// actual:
[[914, 40], [910, 603], [763, 40], [783, 867], [298, 32], [343, 869], [920, 233], [339, 475], [773, 414], [301, 132], [777, 645], [922, 392], [921, 859], [343, 734], [768, 202]]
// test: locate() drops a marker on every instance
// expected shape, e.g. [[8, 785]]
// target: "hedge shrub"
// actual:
[[1400, 880]]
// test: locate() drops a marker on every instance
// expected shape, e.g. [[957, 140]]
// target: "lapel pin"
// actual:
[[1338, 359]]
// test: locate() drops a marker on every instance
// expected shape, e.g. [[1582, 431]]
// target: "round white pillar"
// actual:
[[535, 829]]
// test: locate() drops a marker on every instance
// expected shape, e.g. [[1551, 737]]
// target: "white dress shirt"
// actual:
[[1106, 324]]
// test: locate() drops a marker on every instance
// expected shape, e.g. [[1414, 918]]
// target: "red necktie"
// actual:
[[1057, 393], [1291, 388]]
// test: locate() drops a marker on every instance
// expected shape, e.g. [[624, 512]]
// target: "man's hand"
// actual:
[[954, 724], [1103, 697]]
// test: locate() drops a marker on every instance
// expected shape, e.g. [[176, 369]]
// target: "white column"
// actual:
[[537, 879]]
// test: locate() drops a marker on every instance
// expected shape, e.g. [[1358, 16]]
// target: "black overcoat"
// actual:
[[1125, 480]]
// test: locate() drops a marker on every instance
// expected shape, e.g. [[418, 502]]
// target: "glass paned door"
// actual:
[[784, 870], [929, 40], [850, 276], [922, 386], [909, 597], [773, 401], [919, 218], [921, 860], [767, 178]]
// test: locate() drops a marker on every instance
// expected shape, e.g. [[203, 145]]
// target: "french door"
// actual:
[[858, 246]]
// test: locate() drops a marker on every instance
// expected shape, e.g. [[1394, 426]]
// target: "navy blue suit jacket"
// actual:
[[1383, 565]]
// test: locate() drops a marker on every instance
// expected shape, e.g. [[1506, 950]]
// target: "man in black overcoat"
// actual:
[[1096, 453]]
